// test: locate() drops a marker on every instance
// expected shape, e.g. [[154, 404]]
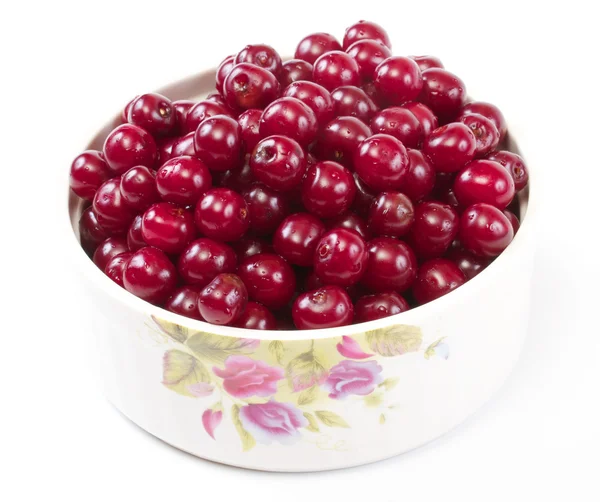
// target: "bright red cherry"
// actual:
[[420, 179], [334, 69], [90, 232], [249, 122], [135, 239], [443, 92], [250, 86], [269, 279], [392, 265], [400, 123], [328, 189], [366, 30], [426, 62], [256, 316], [434, 228], [218, 143], [340, 139], [222, 214], [112, 212], [294, 70], [202, 111], [484, 181], [485, 132], [88, 172], [153, 113], [326, 307], [424, 115], [515, 165], [116, 266], [314, 45], [168, 227], [368, 54], [279, 162], [378, 306], [183, 145], [353, 101], [127, 146], [203, 259], [289, 117], [223, 70], [315, 96], [392, 214], [485, 230], [489, 111], [183, 180], [223, 300], [341, 257], [108, 249], [260, 55], [450, 147], [150, 275], [351, 221], [184, 301], [398, 80], [267, 208], [138, 187], [297, 237], [381, 162], [436, 278]]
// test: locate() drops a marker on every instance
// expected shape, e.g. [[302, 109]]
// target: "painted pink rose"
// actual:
[[353, 377], [245, 377], [273, 421]]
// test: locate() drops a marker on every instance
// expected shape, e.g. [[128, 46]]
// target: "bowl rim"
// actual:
[[485, 279]]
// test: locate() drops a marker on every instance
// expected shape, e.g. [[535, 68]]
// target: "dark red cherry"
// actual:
[[223, 70], [88, 172], [514, 221], [328, 189], [392, 214], [110, 207], [127, 146], [485, 132], [297, 237], [267, 208], [424, 115], [218, 143], [515, 165], [315, 96], [443, 92], [90, 232], [250, 246], [256, 316], [203, 259], [250, 86], [293, 70], [153, 113], [450, 147], [184, 301], [353, 101], [116, 266], [366, 30], [436, 278], [340, 139], [223, 300], [289, 117], [326, 307], [398, 80], [236, 179], [489, 111], [378, 306], [434, 228], [222, 214], [269, 279], [168, 227], [334, 69], [341, 257], [469, 264], [392, 265], [314, 45], [485, 230], [181, 108], [108, 249], [183, 146], [249, 122], [381, 162], [426, 62], [138, 187], [351, 221], [279, 162], [135, 239], [202, 111], [364, 197], [368, 54], [420, 179], [400, 123], [150, 275], [484, 181], [165, 148], [183, 180], [261, 55]]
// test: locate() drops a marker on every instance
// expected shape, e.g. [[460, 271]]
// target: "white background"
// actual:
[[66, 68]]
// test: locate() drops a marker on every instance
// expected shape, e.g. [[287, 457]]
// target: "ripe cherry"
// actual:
[[168, 227], [203, 259], [294, 70], [88, 172], [484, 181], [378, 306], [328, 189], [366, 30], [392, 265], [381, 162], [312, 46], [435, 279], [250, 86], [260, 55], [341, 257], [279, 162], [340, 138], [222, 214], [485, 230], [450, 147], [223, 300], [184, 301], [218, 143], [150, 275], [334, 69], [269, 279], [153, 113], [127, 146], [289, 117], [326, 307], [315, 96], [398, 80], [392, 214], [256, 316], [183, 180], [400, 123], [434, 228]]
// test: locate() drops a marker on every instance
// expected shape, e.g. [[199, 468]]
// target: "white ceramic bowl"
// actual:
[[309, 400]]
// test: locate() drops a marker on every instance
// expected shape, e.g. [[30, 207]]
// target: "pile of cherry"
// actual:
[[342, 186]]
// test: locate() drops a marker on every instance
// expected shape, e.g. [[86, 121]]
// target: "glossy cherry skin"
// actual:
[[138, 187], [364, 197], [434, 228], [236, 179], [183, 145], [424, 115], [351, 221], [110, 207], [514, 221], [256, 316], [353, 101], [489, 111], [116, 266], [400, 123], [168, 227], [279, 162], [341, 257], [125, 111], [249, 123], [223, 300], [297, 237], [267, 208], [485, 132], [469, 264], [108, 249], [183, 180], [426, 62], [150, 275], [218, 143], [88, 172], [392, 214], [340, 139], [515, 165], [436, 278], [366, 30], [181, 108], [261, 55], [293, 70], [378, 306], [326, 307], [269, 279], [368, 54], [203, 259], [450, 147], [289, 117], [334, 69], [223, 70], [315, 96], [153, 113], [184, 301], [314, 45], [328, 189], [443, 92], [127, 146], [90, 232], [200, 112], [222, 214], [420, 179], [484, 181], [485, 230], [135, 239], [165, 148], [398, 80], [381, 162], [250, 86], [392, 265], [250, 246]]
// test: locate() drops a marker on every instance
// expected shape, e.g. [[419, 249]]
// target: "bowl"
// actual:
[[308, 400]]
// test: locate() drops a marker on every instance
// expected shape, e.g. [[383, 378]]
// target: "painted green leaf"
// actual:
[[248, 441], [389, 383], [174, 331], [304, 371], [217, 348], [374, 400], [181, 370], [308, 396], [276, 348], [313, 425], [382, 419], [430, 351], [396, 340], [330, 419]]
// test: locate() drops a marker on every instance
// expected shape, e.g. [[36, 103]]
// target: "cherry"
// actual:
[[135, 239], [297, 237], [223, 300], [293, 70], [260, 55], [88, 172], [392, 265], [315, 96], [181, 108], [267, 208], [203, 259], [328, 189], [127, 146], [469, 264], [340, 138], [237, 179], [218, 143], [400, 123], [223, 70], [222, 214], [150, 275], [485, 132], [353, 101], [168, 227], [184, 146], [289, 117], [326, 307], [110, 207], [249, 123], [420, 178], [314, 45], [279, 162], [165, 148], [489, 111], [368, 54], [269, 279], [125, 111], [90, 232], [341, 257], [514, 221], [436, 278], [378, 306], [250, 246], [443, 92], [202, 111], [334, 69], [364, 197], [183, 180], [424, 115], [392, 214], [184, 301], [108, 249], [515, 165], [351, 221], [153, 113], [485, 230], [434, 228], [381, 162], [398, 80], [366, 30], [115, 267], [256, 316], [138, 187], [250, 86], [450, 147], [484, 181], [426, 62]]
